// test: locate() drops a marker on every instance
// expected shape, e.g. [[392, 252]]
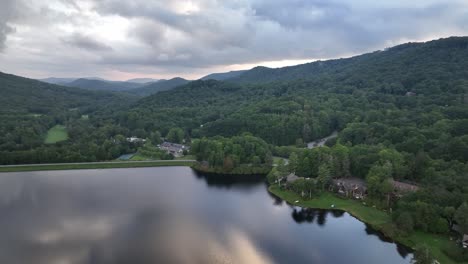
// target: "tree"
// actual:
[[228, 164], [306, 133], [449, 214], [396, 160], [175, 135], [461, 216], [293, 161], [155, 137], [299, 187], [377, 180], [299, 143], [422, 255], [282, 168], [324, 176], [310, 186], [386, 188], [405, 222], [341, 160]]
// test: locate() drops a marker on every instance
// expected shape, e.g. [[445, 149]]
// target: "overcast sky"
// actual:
[[122, 39]]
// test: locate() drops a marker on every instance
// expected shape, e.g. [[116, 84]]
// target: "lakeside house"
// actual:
[[177, 150], [136, 140], [292, 178], [465, 241], [350, 187]]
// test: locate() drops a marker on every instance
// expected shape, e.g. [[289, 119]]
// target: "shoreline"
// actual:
[[95, 165], [235, 172], [375, 218]]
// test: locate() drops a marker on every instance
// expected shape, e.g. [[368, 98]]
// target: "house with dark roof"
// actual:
[[465, 241], [350, 187], [292, 178], [177, 150]]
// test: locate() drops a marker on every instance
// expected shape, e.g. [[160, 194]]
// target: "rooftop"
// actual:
[[405, 187]]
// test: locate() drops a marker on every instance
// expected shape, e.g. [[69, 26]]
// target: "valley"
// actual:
[[395, 115]]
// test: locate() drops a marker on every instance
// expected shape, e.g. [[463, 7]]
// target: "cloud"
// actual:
[[213, 33], [8, 12], [85, 42], [191, 38]]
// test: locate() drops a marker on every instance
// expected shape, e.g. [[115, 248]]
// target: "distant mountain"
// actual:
[[142, 80], [273, 106], [22, 95], [341, 67], [100, 85], [162, 85], [54, 80], [223, 76]]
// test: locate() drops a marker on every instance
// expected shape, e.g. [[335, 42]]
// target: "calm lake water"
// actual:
[[171, 215]]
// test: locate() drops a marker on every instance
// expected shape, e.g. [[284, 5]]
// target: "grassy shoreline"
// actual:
[[376, 218], [96, 165]]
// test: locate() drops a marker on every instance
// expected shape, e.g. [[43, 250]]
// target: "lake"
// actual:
[[171, 215]]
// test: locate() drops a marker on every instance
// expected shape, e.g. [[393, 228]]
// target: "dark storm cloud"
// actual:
[[252, 31], [86, 42], [184, 37]]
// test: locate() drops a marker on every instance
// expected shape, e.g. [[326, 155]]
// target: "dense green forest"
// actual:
[[401, 114], [29, 108], [243, 154], [161, 85]]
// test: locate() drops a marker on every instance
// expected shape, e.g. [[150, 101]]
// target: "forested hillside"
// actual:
[[411, 98], [161, 85], [223, 76], [100, 85], [408, 88], [29, 108], [403, 66], [27, 96]]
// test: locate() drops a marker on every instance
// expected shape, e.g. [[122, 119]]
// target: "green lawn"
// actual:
[[367, 214], [97, 165], [372, 216], [186, 157], [139, 157], [56, 134]]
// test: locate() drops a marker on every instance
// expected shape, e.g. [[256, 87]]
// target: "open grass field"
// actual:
[[56, 134], [372, 216]]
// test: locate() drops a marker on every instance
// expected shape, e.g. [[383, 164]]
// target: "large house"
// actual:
[[350, 187], [177, 150], [465, 241]]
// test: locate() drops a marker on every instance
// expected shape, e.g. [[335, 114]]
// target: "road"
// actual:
[[321, 142]]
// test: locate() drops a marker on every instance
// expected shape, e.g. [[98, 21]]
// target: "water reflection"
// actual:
[[170, 215], [229, 181]]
